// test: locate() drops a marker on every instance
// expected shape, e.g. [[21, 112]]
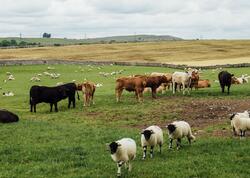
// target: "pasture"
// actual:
[[71, 143], [204, 52]]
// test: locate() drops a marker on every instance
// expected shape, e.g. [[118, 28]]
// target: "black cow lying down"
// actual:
[[51, 95], [7, 116]]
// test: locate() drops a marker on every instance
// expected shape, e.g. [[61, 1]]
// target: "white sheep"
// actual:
[[240, 125], [123, 151], [11, 77], [245, 114], [178, 130], [151, 136]]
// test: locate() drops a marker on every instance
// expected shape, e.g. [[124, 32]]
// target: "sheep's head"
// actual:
[[171, 128], [113, 147], [232, 116], [147, 134]]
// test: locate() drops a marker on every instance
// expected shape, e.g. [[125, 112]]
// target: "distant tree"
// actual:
[[5, 43], [46, 35], [13, 43], [22, 43]]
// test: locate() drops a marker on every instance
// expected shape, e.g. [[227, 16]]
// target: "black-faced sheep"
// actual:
[[151, 136], [123, 151], [178, 130], [245, 114]]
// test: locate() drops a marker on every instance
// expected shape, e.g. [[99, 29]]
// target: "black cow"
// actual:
[[71, 90], [225, 79], [52, 95], [7, 116]]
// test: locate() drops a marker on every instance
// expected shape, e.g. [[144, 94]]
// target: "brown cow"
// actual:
[[194, 79], [154, 82], [135, 84], [88, 90], [235, 80], [203, 83]]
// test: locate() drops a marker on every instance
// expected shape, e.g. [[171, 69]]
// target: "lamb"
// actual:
[[240, 125], [245, 114], [123, 151], [178, 130], [151, 136]]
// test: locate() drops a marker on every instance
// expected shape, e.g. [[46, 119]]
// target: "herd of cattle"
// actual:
[[124, 150]]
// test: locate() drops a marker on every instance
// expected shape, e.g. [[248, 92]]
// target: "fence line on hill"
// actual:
[[89, 62]]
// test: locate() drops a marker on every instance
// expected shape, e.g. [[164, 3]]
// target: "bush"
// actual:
[[5, 43]]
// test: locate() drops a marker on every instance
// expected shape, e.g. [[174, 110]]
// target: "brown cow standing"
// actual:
[[154, 82], [88, 90], [135, 84]]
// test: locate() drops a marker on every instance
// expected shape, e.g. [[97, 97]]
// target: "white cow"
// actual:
[[183, 78]]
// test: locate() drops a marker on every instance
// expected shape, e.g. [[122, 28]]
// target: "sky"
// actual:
[[188, 19]]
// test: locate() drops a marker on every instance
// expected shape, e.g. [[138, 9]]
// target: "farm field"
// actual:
[[203, 52], [71, 143]]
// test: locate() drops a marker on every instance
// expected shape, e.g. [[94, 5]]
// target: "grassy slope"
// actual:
[[184, 52], [71, 143]]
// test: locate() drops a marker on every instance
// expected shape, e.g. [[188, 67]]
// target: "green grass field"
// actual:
[[71, 143]]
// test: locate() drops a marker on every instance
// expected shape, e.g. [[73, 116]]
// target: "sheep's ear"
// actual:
[[142, 132], [152, 132], [119, 144], [232, 116]]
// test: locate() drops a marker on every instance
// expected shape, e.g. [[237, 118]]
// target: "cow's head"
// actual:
[[113, 147], [171, 128], [79, 87], [147, 134]]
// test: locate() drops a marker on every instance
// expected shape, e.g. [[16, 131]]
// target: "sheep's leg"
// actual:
[[160, 147], [184, 88], [129, 166], [151, 151], [189, 140], [178, 143], [144, 152], [170, 143], [119, 165], [174, 87]]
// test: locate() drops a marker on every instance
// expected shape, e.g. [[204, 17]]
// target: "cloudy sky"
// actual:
[[207, 19]]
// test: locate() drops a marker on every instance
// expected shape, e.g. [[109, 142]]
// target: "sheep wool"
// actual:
[[178, 130], [151, 136], [240, 125], [123, 151]]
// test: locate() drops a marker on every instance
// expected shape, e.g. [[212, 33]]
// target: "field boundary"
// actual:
[[89, 62]]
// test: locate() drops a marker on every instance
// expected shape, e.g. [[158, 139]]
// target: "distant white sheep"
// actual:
[[11, 77], [178, 130], [151, 136], [9, 93], [35, 79], [123, 151]]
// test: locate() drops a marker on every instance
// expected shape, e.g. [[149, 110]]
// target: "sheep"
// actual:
[[240, 125], [178, 130], [123, 151], [245, 114], [36, 79], [151, 136], [11, 77], [9, 93]]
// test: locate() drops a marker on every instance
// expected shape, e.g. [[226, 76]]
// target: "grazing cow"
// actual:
[[181, 78], [165, 85], [136, 84], [225, 79], [88, 90], [71, 90], [7, 116], [204, 84], [153, 82], [52, 95]]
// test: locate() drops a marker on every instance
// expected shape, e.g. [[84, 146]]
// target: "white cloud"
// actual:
[[73, 18]]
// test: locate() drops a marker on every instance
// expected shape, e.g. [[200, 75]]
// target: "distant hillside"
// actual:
[[113, 39]]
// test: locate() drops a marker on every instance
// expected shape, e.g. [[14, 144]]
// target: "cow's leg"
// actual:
[[228, 88], [84, 99], [184, 88], [69, 102], [140, 96], [74, 101], [118, 93], [144, 152], [51, 106], [31, 107], [34, 107], [56, 109], [153, 92], [222, 88], [174, 87]]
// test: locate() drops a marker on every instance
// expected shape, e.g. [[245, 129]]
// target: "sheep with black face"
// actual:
[[151, 136], [123, 151], [178, 130]]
